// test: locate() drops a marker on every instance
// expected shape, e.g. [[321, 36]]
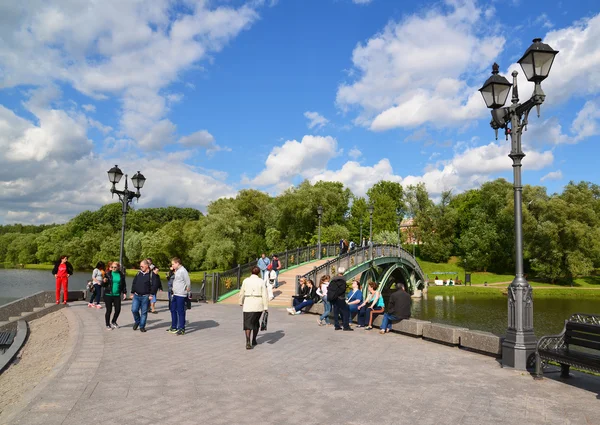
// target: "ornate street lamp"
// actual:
[[399, 218], [360, 223], [320, 212], [371, 209], [125, 196], [519, 345]]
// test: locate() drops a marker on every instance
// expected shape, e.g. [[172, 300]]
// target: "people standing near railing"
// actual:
[[263, 264], [276, 264], [322, 292], [309, 298], [114, 288], [336, 295], [398, 308], [98, 280], [181, 288], [355, 297], [62, 271], [371, 307], [253, 298]]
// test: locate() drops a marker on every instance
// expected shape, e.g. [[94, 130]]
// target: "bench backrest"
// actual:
[[583, 335]]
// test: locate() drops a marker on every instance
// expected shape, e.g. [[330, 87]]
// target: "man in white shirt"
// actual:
[[181, 287]]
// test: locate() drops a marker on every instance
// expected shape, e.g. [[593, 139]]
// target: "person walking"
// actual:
[[62, 271], [270, 279], [253, 298], [263, 264], [98, 281], [336, 295], [398, 309], [114, 288], [144, 284], [322, 292], [181, 288], [276, 264]]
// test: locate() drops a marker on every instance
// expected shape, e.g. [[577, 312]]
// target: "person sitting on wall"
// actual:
[[309, 298], [398, 308], [376, 307]]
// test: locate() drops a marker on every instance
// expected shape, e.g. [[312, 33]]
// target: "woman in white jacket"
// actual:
[[254, 299]]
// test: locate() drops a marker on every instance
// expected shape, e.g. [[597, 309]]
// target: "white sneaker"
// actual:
[[98, 306], [298, 312], [290, 310]]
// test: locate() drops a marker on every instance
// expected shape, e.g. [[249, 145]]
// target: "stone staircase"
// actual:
[[36, 313], [287, 285]]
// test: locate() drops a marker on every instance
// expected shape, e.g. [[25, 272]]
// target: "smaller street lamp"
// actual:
[[320, 212], [371, 209], [360, 223], [125, 196], [399, 218]]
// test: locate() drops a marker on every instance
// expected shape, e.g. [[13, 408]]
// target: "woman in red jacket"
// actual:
[[62, 270]]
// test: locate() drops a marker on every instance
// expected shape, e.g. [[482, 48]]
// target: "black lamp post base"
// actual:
[[518, 350]]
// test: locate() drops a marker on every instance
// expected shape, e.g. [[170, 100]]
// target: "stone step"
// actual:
[[35, 309], [4, 323], [14, 318]]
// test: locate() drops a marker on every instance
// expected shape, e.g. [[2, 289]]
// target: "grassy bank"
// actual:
[[453, 266]]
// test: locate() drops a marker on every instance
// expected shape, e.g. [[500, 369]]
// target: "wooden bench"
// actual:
[[578, 345]]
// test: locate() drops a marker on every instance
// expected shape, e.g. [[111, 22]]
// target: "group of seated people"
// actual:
[[365, 309]]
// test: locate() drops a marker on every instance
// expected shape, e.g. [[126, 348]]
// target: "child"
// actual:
[[270, 280]]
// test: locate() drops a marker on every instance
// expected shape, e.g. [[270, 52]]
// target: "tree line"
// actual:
[[561, 231]]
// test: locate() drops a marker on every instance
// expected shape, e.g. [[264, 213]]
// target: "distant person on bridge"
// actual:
[[377, 307], [276, 264], [398, 309], [336, 295], [61, 271], [354, 299], [253, 298], [270, 278], [263, 264]]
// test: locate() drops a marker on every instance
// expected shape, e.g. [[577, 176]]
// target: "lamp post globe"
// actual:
[[496, 89], [138, 180], [537, 61], [114, 175]]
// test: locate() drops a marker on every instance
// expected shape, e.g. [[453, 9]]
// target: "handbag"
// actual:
[[265, 319]]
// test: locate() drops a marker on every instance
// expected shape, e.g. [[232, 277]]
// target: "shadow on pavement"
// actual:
[[577, 379], [189, 327], [270, 338]]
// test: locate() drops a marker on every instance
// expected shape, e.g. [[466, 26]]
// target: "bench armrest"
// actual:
[[551, 342]]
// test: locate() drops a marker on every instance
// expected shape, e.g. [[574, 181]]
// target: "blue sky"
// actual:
[[210, 97]]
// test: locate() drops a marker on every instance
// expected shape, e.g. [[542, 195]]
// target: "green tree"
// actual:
[[387, 199]]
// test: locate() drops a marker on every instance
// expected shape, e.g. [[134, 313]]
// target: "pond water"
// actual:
[[18, 283], [489, 312]]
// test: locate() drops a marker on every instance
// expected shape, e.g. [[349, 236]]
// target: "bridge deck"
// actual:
[[299, 374]]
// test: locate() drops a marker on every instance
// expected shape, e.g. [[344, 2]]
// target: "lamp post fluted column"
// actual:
[[320, 212], [519, 345], [371, 209], [360, 223]]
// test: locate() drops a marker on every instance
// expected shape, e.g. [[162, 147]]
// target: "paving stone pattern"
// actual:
[[300, 373]]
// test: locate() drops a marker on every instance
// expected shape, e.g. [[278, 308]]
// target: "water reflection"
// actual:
[[489, 312]]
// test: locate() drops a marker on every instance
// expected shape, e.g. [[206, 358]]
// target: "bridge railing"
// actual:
[[359, 256], [220, 284]]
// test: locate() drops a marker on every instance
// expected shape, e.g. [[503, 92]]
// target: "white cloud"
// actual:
[[89, 108], [315, 120], [552, 175], [124, 48], [201, 139], [359, 178], [410, 75], [361, 1], [354, 153], [293, 158], [104, 129]]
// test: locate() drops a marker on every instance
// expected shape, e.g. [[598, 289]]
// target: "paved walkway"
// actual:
[[299, 374]]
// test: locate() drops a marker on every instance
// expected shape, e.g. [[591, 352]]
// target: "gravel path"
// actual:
[[42, 351]]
